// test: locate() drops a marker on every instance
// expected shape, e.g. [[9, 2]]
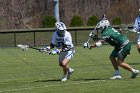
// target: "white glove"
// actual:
[[87, 45], [98, 44], [48, 48], [53, 52]]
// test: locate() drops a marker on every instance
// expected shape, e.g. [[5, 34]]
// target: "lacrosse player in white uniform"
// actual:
[[62, 42], [136, 28]]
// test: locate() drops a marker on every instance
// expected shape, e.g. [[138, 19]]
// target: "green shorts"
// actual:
[[121, 53]]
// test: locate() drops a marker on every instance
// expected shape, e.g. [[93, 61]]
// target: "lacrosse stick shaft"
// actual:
[[91, 32], [34, 48], [127, 29], [88, 39]]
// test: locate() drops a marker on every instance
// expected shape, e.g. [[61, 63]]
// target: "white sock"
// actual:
[[117, 72], [69, 69], [133, 70]]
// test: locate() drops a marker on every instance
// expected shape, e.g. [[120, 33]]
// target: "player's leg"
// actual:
[[67, 71], [121, 56], [138, 43], [138, 47], [62, 60], [115, 65], [129, 68]]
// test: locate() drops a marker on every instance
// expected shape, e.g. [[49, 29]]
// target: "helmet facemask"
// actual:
[[103, 24], [61, 28], [61, 33]]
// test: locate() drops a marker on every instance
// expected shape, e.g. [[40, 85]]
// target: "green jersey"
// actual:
[[114, 38]]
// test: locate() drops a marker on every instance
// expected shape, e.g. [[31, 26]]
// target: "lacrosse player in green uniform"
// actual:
[[122, 47]]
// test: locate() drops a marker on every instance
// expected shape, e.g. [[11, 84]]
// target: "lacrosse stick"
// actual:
[[92, 34], [25, 47], [125, 28]]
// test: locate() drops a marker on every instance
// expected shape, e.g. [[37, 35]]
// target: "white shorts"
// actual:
[[67, 54], [138, 41]]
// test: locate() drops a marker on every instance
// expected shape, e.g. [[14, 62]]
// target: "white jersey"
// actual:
[[137, 24], [59, 42], [137, 27]]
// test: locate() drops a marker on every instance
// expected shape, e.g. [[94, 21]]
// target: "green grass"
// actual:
[[34, 72]]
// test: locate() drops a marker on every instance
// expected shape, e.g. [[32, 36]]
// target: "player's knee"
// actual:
[[139, 50], [64, 64], [111, 58], [60, 65], [138, 47]]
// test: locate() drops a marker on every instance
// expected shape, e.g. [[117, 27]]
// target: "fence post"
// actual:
[[34, 39], [15, 39], [75, 37]]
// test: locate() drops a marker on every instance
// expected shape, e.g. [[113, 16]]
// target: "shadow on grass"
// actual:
[[92, 79], [56, 80], [53, 80]]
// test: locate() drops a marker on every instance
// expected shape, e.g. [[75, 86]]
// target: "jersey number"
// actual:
[[115, 31]]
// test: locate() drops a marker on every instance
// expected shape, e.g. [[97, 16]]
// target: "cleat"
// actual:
[[64, 78], [135, 73], [116, 77], [70, 72]]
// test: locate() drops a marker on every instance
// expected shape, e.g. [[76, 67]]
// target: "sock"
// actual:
[[117, 72], [69, 70], [133, 70]]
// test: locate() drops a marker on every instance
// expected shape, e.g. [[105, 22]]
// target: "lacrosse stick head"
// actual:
[[23, 47]]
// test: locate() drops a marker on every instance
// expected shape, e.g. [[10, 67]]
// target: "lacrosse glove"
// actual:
[[53, 52], [98, 44]]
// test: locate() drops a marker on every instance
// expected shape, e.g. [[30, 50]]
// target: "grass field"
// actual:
[[34, 72]]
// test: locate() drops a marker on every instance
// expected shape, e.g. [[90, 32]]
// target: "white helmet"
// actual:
[[61, 28], [103, 24]]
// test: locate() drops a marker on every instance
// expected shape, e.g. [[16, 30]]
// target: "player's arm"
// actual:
[[68, 43], [135, 27], [97, 44]]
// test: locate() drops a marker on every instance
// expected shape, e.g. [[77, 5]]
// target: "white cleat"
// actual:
[[64, 78], [135, 73], [70, 72], [116, 77]]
